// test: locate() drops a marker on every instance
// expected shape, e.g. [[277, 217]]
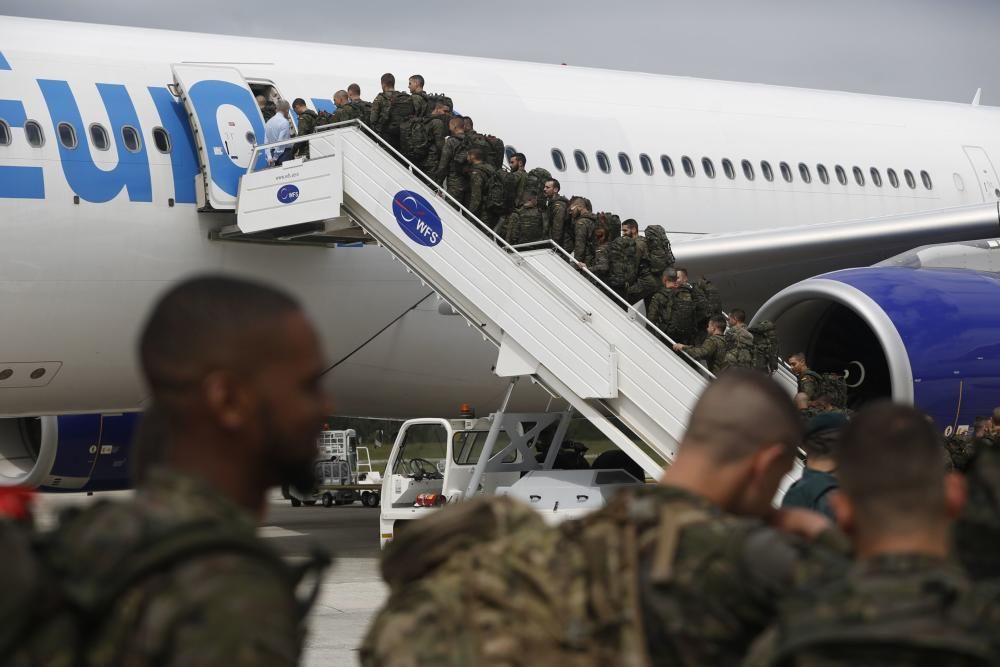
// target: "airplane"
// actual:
[[105, 201]]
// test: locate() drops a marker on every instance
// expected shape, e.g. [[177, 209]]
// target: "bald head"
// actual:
[[340, 98], [740, 413], [206, 324]]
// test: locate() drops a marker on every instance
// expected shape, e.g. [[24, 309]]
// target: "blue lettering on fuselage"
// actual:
[[3, 62], [18, 182], [85, 178], [206, 97], [183, 158]]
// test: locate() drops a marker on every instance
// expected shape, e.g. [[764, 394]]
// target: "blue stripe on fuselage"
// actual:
[[3, 62]]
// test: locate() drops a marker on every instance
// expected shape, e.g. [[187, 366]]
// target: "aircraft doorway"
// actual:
[[986, 175]]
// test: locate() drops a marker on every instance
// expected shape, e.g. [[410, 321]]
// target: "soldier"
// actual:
[[601, 264], [977, 531], [672, 310], [363, 108], [517, 179], [390, 111], [452, 163], [525, 225], [679, 573], [556, 218], [345, 109], [493, 145], [418, 96], [808, 383], [481, 178], [437, 129], [584, 223], [307, 125], [903, 602], [233, 368], [813, 490], [739, 341], [713, 350]]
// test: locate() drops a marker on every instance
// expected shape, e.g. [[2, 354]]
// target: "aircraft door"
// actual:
[[226, 123], [986, 175]]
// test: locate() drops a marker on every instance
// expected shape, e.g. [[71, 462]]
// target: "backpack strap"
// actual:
[[671, 522]]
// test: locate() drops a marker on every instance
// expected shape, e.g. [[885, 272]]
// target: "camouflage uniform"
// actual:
[[809, 385], [420, 105], [307, 125], [977, 530], [556, 218], [362, 110], [525, 225], [438, 129], [220, 607], [380, 111], [346, 112], [672, 310], [479, 179], [450, 167], [602, 263], [583, 238], [960, 451], [893, 609], [711, 352], [517, 181]]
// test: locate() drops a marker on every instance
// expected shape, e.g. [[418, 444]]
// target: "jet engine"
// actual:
[[67, 453]]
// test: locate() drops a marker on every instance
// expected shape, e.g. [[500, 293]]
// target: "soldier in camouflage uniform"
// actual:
[[903, 602], [233, 368], [345, 109], [584, 223], [713, 351], [525, 225], [421, 107], [672, 310], [602, 263], [363, 107], [437, 127], [681, 573], [451, 165], [977, 531], [306, 125], [818, 482], [557, 214], [481, 173], [517, 180], [807, 381]]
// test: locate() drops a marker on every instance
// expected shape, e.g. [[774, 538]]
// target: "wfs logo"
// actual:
[[417, 218], [288, 194]]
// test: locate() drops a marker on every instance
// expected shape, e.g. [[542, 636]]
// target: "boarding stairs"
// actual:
[[550, 320]]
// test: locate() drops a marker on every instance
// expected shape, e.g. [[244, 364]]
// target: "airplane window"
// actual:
[[727, 167], [33, 131], [706, 164], [786, 171], [603, 162], [99, 137], [161, 139], [926, 178], [647, 164], [625, 162], [131, 139], [581, 160], [67, 135], [748, 169], [4, 133], [893, 178], [841, 175], [804, 172], [688, 166], [824, 175], [558, 160], [667, 164], [910, 181], [859, 176], [876, 177], [765, 168]]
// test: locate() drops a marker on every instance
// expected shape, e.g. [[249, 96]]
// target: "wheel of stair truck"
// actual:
[[370, 499], [327, 500], [295, 502]]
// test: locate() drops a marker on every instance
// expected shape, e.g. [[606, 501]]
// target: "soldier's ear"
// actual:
[[956, 493], [843, 511]]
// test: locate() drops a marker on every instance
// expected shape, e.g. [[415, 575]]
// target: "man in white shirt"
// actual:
[[277, 128]]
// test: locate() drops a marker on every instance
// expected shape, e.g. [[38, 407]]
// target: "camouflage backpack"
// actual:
[[53, 609], [323, 118], [536, 180], [433, 99], [362, 111], [739, 349], [712, 295], [977, 530], [661, 256], [400, 109], [833, 385], [415, 138], [765, 346], [486, 582], [623, 266], [493, 189], [612, 224], [496, 155]]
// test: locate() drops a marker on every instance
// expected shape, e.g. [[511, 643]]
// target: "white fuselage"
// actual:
[[77, 278]]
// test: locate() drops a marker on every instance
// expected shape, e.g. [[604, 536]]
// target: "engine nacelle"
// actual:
[[924, 336], [67, 453]]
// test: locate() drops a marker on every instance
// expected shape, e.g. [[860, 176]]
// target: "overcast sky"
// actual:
[[913, 48]]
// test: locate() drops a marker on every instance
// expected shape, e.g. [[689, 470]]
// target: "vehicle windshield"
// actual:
[[425, 443], [467, 445]]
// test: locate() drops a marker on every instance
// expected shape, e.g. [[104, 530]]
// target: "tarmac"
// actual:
[[352, 589]]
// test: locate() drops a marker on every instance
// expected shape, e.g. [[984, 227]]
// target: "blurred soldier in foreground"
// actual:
[[685, 572], [903, 602], [814, 489], [177, 576]]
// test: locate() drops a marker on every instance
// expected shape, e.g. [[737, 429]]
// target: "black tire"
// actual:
[[296, 502], [327, 500], [370, 499]]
